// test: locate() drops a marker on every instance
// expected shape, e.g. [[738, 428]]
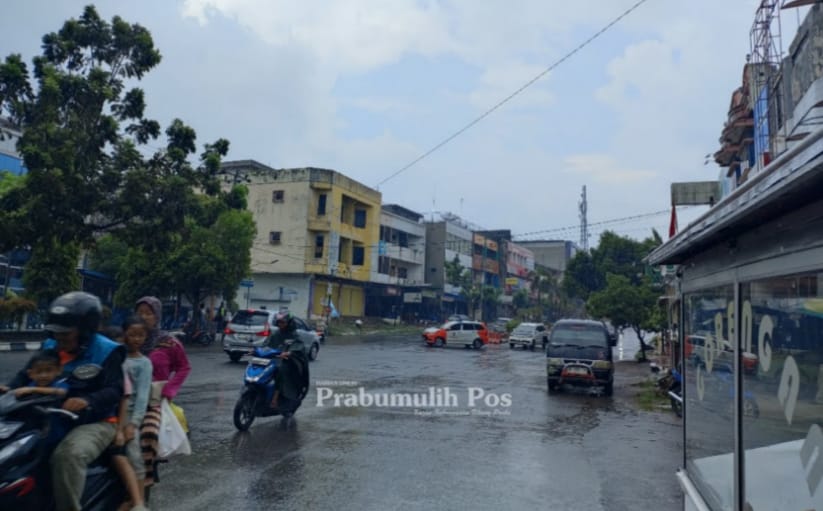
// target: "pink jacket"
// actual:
[[170, 364]]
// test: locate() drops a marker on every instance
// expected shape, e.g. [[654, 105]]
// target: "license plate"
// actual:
[[576, 371], [260, 361]]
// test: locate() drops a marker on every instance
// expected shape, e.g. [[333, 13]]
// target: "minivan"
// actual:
[[579, 353]]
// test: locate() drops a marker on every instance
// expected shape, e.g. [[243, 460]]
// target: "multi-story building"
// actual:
[[553, 254], [316, 230], [515, 265], [447, 239], [398, 268]]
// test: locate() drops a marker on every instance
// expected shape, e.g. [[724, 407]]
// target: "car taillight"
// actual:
[[264, 333], [228, 331]]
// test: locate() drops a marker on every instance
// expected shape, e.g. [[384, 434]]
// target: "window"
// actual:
[[403, 239], [321, 204], [781, 345], [274, 237], [277, 196], [358, 255], [455, 326], [318, 246], [360, 218], [403, 273], [708, 390]]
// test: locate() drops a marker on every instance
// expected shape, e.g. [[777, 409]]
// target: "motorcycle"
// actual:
[[25, 476], [194, 334], [258, 390]]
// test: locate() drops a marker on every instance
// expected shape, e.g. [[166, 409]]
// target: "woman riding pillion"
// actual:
[[292, 377]]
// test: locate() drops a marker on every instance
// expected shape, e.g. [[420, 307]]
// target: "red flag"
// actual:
[[673, 222]]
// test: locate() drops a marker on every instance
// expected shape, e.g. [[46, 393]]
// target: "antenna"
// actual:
[[584, 223]]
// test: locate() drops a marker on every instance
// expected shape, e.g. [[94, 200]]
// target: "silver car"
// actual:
[[529, 335], [251, 328]]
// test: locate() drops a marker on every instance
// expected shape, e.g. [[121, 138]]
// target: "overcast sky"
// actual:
[[366, 86]]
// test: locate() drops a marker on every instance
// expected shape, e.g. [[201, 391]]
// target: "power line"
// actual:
[[604, 222], [515, 93]]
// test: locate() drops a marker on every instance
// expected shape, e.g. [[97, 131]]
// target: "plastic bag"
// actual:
[[181, 416], [171, 437]]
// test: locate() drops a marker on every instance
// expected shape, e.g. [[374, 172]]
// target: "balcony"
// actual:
[[405, 254], [319, 223]]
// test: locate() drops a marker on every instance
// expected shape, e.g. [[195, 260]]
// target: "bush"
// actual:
[[15, 309], [511, 325]]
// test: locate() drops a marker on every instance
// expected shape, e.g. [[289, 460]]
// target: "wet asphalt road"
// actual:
[[570, 451]]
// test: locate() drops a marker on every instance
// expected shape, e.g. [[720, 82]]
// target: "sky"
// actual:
[[365, 87]]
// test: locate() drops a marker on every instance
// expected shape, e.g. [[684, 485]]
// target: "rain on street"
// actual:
[[566, 451]]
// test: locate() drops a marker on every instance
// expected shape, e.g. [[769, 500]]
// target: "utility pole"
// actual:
[[584, 223]]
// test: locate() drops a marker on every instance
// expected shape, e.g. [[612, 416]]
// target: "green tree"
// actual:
[[582, 276], [520, 299], [82, 127], [626, 305], [52, 269]]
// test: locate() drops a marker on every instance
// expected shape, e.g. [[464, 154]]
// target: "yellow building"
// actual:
[[316, 229]]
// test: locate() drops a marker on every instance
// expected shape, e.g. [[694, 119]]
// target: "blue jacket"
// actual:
[[96, 375]]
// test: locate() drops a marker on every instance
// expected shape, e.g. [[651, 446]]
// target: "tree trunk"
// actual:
[[643, 346]]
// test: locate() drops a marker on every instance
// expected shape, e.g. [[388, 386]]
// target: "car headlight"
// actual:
[[554, 361], [601, 364], [20, 446]]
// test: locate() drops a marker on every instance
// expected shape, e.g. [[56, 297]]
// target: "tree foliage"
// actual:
[[84, 141]]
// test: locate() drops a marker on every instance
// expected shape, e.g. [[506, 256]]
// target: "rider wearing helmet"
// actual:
[[292, 377], [92, 365]]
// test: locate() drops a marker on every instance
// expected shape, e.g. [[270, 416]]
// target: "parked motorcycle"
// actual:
[[258, 390], [25, 477], [194, 334]]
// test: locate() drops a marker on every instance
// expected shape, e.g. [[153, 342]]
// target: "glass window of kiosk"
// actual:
[[708, 390], [782, 410]]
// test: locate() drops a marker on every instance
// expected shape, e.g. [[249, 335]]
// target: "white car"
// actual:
[[529, 335], [251, 328]]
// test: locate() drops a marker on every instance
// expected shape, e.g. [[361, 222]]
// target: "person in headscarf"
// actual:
[[170, 369]]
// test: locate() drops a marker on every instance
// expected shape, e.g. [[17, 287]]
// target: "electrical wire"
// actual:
[[511, 96]]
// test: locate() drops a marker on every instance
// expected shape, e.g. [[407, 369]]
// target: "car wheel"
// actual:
[[609, 391], [315, 349], [235, 357], [477, 344], [511, 345], [532, 346], [552, 386], [439, 342]]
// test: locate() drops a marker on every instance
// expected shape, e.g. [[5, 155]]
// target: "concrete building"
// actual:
[[553, 254], [447, 238], [316, 230], [515, 264], [10, 159], [398, 268]]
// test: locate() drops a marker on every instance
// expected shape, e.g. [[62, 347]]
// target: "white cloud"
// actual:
[[498, 82], [602, 168], [349, 35]]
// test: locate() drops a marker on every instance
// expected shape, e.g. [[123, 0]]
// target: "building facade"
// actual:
[[553, 254], [447, 239], [398, 268], [316, 230]]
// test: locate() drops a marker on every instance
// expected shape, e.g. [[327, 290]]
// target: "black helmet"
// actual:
[[283, 316], [75, 310]]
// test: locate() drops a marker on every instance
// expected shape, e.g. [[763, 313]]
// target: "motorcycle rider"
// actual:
[[93, 366], [292, 377]]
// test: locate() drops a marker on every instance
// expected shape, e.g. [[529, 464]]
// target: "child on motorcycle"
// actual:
[[44, 373], [126, 456]]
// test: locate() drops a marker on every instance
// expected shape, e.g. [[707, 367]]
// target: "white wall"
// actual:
[[267, 291]]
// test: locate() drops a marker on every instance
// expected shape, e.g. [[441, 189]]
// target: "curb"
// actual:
[[20, 346]]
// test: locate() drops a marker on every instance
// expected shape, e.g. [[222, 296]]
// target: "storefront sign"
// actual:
[[412, 297]]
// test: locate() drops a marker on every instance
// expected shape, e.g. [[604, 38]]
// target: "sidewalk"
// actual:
[[20, 345]]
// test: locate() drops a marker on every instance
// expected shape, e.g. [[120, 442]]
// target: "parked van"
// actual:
[[579, 353]]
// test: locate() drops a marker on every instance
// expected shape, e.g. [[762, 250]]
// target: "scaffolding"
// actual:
[[766, 82]]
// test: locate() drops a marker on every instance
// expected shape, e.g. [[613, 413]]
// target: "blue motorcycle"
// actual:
[[258, 390]]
